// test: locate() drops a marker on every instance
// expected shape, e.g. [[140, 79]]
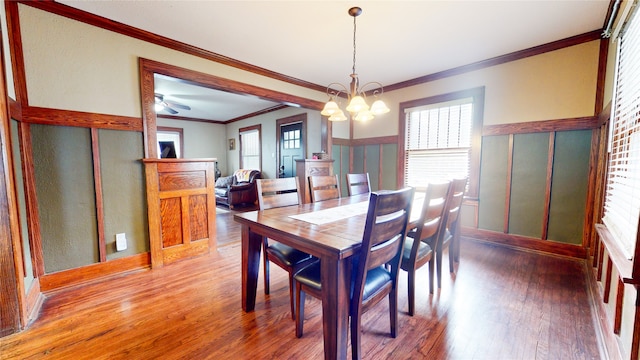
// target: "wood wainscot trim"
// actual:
[[46, 116], [523, 242], [88, 273]]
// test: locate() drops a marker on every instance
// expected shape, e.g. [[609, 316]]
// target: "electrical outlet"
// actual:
[[121, 242]]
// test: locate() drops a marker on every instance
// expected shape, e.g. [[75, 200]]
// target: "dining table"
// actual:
[[330, 230]]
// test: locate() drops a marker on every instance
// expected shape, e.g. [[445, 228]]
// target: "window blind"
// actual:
[[622, 197], [438, 142], [250, 149]]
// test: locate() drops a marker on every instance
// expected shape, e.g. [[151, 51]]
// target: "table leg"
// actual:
[[251, 246], [336, 279]]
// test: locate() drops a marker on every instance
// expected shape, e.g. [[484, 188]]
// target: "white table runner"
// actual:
[[326, 216]]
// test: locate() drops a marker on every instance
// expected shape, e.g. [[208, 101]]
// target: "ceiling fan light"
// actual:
[[379, 107], [365, 115], [338, 116], [357, 104], [330, 108], [159, 107]]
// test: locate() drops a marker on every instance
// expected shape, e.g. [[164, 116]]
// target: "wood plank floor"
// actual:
[[502, 304]]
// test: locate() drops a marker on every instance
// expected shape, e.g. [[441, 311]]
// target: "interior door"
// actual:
[[291, 148]]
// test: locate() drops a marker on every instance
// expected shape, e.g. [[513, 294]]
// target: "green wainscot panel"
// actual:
[[66, 196], [344, 166], [358, 159], [335, 155], [389, 166], [125, 209], [569, 189], [493, 178], [373, 166], [528, 184]]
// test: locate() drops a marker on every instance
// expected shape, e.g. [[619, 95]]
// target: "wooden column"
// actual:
[[181, 208]]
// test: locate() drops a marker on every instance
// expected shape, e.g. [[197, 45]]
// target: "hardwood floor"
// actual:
[[502, 304]]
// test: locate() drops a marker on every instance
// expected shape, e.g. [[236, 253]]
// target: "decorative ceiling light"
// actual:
[[356, 97]]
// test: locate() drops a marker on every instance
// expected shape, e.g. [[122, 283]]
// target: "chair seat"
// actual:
[[286, 254], [376, 278], [423, 250]]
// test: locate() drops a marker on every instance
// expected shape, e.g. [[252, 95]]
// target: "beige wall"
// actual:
[[201, 139], [75, 66], [542, 87], [269, 132]]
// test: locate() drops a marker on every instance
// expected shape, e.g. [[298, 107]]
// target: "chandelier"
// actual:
[[356, 97]]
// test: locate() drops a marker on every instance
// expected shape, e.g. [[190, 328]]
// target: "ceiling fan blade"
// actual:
[[170, 110], [178, 105]]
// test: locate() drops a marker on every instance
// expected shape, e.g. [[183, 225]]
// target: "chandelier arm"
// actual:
[[331, 91], [378, 91]]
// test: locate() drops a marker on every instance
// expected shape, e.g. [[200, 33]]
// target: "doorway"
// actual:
[[291, 143]]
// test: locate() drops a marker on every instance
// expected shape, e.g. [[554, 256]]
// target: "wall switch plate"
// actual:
[[121, 242]]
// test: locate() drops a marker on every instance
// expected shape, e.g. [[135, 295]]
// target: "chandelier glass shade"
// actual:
[[356, 97]]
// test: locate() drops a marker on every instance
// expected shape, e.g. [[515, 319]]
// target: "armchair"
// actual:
[[239, 188]]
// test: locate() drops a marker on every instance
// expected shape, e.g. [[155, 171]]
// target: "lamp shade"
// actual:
[[338, 116], [379, 107], [330, 108], [357, 104], [364, 115]]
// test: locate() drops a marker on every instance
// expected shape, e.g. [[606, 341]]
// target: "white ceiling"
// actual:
[[396, 40]]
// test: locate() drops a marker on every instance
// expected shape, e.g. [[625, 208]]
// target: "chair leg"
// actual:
[[299, 316], [266, 272], [393, 311], [355, 336], [451, 256], [432, 269], [291, 301], [439, 267], [411, 276], [456, 242]]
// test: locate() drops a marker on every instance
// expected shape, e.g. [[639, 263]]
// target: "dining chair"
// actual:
[[420, 244], [451, 237], [273, 193], [382, 243], [324, 187], [358, 184]]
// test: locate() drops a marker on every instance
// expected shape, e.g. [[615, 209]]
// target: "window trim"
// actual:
[[476, 132], [258, 128]]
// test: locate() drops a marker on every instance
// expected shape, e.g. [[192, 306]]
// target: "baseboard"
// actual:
[[524, 242], [34, 301], [77, 276]]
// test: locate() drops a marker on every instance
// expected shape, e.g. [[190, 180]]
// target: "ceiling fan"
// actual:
[[169, 106]]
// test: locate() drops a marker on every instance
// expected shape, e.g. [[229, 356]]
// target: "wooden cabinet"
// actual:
[[311, 167]]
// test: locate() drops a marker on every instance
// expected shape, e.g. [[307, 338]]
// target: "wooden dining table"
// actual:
[[330, 230]]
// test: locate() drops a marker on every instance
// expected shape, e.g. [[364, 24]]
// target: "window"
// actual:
[[250, 148], [622, 197], [291, 139], [170, 142], [439, 136]]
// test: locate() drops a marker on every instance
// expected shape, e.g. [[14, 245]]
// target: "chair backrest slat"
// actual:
[[433, 210], [358, 184], [281, 192], [384, 232], [458, 187], [324, 187]]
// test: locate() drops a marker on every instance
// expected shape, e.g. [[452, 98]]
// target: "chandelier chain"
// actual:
[[354, 45]]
